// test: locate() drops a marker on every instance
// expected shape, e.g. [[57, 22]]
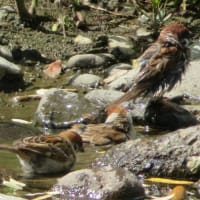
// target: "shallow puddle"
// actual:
[[10, 167]]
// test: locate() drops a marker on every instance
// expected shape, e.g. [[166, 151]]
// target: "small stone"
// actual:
[[90, 61], [195, 50], [121, 47], [125, 81], [82, 40], [119, 66], [7, 67], [142, 32], [6, 53], [86, 80], [120, 41], [143, 19], [54, 69], [103, 96]]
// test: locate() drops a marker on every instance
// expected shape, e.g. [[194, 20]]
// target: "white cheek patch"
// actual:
[[112, 117]]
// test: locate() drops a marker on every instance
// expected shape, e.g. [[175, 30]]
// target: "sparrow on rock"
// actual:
[[117, 128], [162, 64], [47, 154]]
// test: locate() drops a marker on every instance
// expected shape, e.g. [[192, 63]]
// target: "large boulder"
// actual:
[[175, 154]]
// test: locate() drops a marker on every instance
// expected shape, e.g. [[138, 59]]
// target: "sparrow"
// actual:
[[117, 128], [162, 64], [46, 154]]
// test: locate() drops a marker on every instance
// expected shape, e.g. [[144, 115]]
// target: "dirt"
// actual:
[[53, 44]]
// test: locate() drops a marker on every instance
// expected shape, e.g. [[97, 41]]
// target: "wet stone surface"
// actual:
[[59, 109], [174, 155], [101, 184]]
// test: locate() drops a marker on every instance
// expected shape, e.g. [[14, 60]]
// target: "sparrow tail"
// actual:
[[130, 95], [4, 147]]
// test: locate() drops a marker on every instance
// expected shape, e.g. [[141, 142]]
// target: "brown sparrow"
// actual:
[[47, 154], [117, 128], [162, 64]]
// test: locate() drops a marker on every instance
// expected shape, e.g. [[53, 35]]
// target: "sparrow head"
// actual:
[[74, 138], [175, 34], [116, 108], [114, 111], [121, 118]]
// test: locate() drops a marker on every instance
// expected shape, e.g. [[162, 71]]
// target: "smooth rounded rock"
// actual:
[[86, 80], [99, 184], [60, 109], [125, 81], [7, 67], [90, 61], [102, 96]]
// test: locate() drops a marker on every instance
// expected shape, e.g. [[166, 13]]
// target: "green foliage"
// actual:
[[160, 14], [78, 2], [157, 14]]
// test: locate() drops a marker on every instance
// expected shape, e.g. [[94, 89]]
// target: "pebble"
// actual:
[[90, 61], [79, 39], [7, 67], [102, 96], [86, 80], [54, 69], [124, 81]]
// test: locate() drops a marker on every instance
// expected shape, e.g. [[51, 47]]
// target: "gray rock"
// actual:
[[195, 50], [175, 154], [142, 32], [102, 96], [6, 53], [86, 80], [4, 12], [119, 66], [125, 81], [120, 41], [59, 109], [143, 19], [90, 61], [103, 184], [121, 47], [81, 40], [7, 68], [190, 83]]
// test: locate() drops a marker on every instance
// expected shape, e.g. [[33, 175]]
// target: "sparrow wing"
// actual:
[[102, 134], [51, 146], [158, 69]]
